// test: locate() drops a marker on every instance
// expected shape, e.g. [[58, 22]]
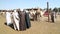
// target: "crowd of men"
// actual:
[[19, 19]]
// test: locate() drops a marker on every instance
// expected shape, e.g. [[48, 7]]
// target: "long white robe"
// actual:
[[8, 18], [15, 17]]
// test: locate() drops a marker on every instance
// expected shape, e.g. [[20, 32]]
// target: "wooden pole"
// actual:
[[48, 10]]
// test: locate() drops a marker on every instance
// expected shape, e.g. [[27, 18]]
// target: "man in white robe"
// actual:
[[8, 18], [16, 20]]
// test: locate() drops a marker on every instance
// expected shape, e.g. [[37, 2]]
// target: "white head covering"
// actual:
[[14, 10], [26, 11], [21, 9]]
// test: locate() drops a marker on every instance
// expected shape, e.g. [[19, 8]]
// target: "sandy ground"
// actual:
[[37, 27]]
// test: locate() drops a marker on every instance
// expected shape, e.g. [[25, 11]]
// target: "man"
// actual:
[[27, 19], [16, 20], [8, 18], [22, 21], [52, 16]]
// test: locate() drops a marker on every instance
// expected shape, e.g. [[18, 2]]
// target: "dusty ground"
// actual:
[[37, 27]]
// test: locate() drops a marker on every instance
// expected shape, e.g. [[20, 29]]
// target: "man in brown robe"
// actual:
[[22, 22]]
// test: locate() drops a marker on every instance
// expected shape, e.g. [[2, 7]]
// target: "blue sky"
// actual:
[[13, 4]]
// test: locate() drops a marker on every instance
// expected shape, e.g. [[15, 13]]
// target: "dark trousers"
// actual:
[[52, 18], [27, 19]]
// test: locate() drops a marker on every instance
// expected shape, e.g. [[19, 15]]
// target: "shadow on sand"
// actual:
[[11, 25]]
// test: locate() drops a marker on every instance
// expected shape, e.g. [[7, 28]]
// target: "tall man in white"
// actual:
[[16, 20], [8, 18]]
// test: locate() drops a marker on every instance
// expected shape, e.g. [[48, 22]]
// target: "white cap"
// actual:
[[21, 9], [14, 10], [26, 11]]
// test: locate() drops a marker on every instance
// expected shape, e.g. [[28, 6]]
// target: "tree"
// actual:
[[55, 10], [59, 9]]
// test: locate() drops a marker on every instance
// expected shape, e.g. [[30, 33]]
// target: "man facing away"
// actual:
[[52, 16]]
